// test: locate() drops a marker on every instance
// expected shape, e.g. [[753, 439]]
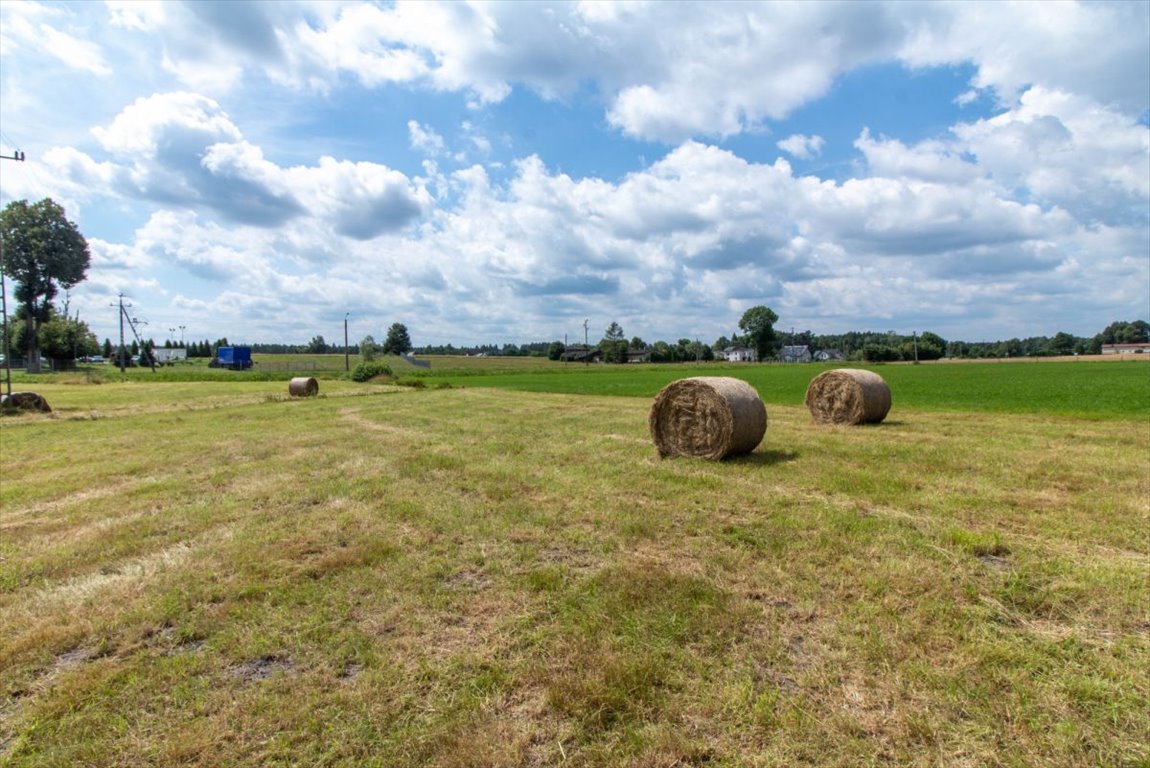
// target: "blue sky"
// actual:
[[493, 173]]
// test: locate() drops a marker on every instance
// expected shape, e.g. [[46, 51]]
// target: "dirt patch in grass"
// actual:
[[998, 562], [261, 668]]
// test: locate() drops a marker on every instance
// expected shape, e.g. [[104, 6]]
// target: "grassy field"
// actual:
[[207, 573], [1085, 389], [1081, 388]]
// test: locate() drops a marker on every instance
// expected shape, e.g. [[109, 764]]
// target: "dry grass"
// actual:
[[482, 578]]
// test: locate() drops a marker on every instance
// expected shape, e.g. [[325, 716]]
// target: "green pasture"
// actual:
[[208, 572], [1088, 388]]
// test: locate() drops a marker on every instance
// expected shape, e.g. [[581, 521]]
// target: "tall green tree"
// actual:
[[614, 344], [368, 348], [758, 323], [397, 342], [1062, 344], [662, 352], [931, 346], [43, 252], [66, 338], [1123, 332]]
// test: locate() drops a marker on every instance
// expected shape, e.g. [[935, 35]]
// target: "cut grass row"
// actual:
[[213, 574]]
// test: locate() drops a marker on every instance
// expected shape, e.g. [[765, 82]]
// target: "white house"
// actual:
[[739, 354]]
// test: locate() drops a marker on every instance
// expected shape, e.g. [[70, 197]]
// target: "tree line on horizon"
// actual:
[[65, 337], [865, 346]]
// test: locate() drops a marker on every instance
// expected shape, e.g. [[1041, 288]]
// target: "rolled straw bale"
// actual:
[[711, 417], [848, 396], [303, 386], [27, 401]]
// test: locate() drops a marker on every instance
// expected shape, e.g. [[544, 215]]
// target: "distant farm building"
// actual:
[[639, 355], [739, 354], [796, 354], [577, 354], [829, 355], [169, 354], [1141, 348]]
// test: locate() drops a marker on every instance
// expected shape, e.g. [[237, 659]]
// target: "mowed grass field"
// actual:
[[208, 573]]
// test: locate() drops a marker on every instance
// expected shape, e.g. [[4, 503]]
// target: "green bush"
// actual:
[[367, 371]]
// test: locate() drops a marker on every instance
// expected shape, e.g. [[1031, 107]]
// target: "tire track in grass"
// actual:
[[355, 417], [113, 584], [53, 507], [133, 572]]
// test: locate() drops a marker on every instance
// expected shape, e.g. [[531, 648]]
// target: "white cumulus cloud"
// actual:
[[802, 147]]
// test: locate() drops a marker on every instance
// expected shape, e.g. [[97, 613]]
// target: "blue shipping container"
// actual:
[[236, 358]]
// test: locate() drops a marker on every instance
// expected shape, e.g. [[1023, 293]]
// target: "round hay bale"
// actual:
[[25, 401], [303, 386], [711, 417], [848, 396]]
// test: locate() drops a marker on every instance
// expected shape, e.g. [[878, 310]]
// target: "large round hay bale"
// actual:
[[303, 386], [848, 396], [711, 417], [25, 401]]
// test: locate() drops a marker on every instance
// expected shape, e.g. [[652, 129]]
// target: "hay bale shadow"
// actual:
[[765, 458]]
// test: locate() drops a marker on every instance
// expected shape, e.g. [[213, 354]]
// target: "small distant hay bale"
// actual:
[[848, 396], [303, 386], [25, 401], [711, 417]]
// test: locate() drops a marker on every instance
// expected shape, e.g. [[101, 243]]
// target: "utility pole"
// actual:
[[19, 156], [346, 353], [132, 323], [123, 350], [586, 343]]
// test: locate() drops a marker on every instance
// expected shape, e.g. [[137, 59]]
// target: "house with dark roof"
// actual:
[[580, 354], [639, 355], [796, 354]]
